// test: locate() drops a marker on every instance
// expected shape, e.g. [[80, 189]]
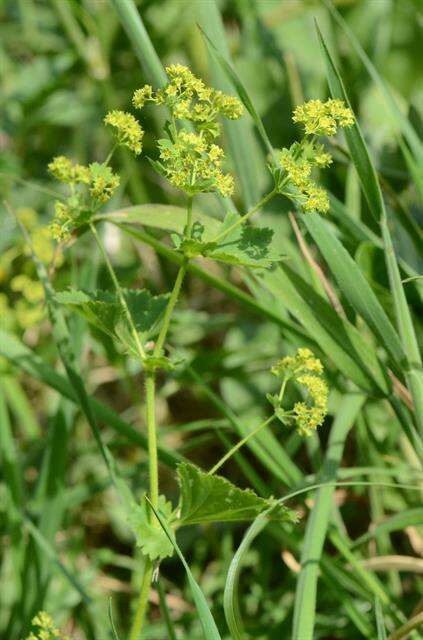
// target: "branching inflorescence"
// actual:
[[305, 369], [298, 162], [191, 160]]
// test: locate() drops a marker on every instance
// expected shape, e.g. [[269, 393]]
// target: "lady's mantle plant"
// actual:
[[190, 157]]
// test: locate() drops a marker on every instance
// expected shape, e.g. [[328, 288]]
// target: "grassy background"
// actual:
[[65, 545]]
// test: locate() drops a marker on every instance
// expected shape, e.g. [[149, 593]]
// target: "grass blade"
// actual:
[[318, 521], [23, 358], [412, 364], [401, 121], [336, 337], [230, 599], [242, 145], [143, 47], [358, 150], [242, 92], [397, 522], [380, 623], [355, 287]]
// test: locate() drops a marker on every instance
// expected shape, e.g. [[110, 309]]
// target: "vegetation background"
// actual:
[[350, 568]]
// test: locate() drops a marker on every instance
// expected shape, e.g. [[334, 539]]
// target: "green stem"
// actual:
[[176, 287], [188, 226], [240, 444], [150, 390], [119, 292], [142, 601], [247, 215]]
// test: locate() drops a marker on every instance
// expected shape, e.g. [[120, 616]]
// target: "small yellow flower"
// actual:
[[306, 370], [128, 131], [64, 170], [323, 118], [141, 96], [45, 628], [103, 182]]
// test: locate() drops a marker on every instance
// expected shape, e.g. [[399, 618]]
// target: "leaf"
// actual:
[[160, 216], [245, 245], [99, 308], [151, 539], [145, 308], [209, 498], [103, 309]]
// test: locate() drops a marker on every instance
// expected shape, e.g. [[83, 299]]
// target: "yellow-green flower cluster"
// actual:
[[64, 170], [189, 98], [103, 182], [310, 196], [127, 130], [318, 118], [310, 416], [304, 361], [323, 118], [98, 185], [191, 160], [305, 369], [45, 629], [193, 165]]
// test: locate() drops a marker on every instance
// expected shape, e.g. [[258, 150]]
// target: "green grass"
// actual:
[[76, 443]]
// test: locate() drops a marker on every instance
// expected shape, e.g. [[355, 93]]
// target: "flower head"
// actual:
[[103, 182], [128, 131], [310, 415], [45, 629], [64, 170], [190, 163], [190, 159], [188, 98], [323, 118], [298, 162], [98, 185], [306, 370], [304, 361]]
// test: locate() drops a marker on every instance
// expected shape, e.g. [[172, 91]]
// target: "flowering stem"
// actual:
[[142, 601], [153, 471], [247, 215], [176, 287], [111, 152], [150, 391], [119, 292], [239, 444]]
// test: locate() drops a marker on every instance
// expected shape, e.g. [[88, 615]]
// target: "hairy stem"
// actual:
[[247, 215], [239, 444]]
